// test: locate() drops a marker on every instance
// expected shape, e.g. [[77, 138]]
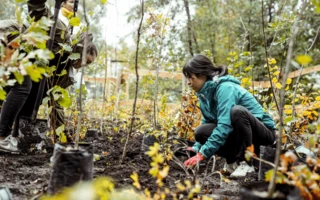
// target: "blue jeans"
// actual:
[[15, 100]]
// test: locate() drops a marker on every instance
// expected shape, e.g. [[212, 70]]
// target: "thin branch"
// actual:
[[137, 84], [264, 161], [213, 173], [266, 52], [180, 164], [294, 32]]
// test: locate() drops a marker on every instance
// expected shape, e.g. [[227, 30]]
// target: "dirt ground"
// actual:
[[27, 175]]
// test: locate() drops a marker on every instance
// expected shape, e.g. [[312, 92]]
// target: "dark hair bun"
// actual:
[[223, 70]]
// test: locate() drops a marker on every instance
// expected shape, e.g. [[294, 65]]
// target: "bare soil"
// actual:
[[27, 175]]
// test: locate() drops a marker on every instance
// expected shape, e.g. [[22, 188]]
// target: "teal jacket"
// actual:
[[217, 97]]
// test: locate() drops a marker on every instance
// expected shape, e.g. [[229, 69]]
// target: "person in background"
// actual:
[[20, 98], [232, 119]]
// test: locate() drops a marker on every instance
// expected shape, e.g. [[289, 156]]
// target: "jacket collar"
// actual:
[[209, 87]]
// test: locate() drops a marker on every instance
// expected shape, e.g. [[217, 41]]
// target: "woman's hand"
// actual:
[[194, 160], [190, 149]]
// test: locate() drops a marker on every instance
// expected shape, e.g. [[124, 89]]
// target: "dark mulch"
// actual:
[[27, 175]]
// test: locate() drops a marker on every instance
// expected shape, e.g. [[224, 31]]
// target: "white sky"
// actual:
[[115, 25]]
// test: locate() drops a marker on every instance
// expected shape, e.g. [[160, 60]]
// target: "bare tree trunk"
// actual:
[[137, 84], [104, 89], [195, 40], [186, 5], [83, 65]]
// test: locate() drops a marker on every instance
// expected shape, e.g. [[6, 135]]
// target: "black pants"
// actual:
[[247, 130], [15, 100]]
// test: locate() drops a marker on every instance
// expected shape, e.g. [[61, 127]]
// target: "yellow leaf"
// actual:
[[153, 149], [244, 80], [180, 187], [289, 80], [154, 172], [278, 85], [274, 80], [315, 113], [287, 88], [276, 73], [188, 183], [233, 53], [103, 1], [63, 138], [164, 172], [318, 98], [248, 68], [288, 112], [304, 59], [272, 61], [135, 179], [158, 158], [287, 106], [116, 129], [75, 21], [147, 192]]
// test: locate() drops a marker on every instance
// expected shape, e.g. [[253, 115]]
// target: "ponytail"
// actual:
[[200, 65]]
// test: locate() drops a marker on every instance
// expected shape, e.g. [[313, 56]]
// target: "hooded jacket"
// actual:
[[217, 97]]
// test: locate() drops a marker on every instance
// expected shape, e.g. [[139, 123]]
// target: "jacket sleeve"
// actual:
[[226, 98], [196, 147], [204, 120], [38, 8]]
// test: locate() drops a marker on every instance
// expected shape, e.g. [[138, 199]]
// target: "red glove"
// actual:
[[194, 160]]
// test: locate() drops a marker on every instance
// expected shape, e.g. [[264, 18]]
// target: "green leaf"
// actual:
[[19, 77], [45, 100], [2, 94], [21, 1], [74, 21], [60, 129], [316, 3], [19, 14], [65, 102], [35, 72], [288, 119], [64, 72], [66, 47], [74, 56], [96, 157]]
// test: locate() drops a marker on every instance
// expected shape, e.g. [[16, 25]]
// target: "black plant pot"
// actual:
[[92, 133], [147, 141], [70, 166], [34, 135], [266, 153], [288, 192]]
